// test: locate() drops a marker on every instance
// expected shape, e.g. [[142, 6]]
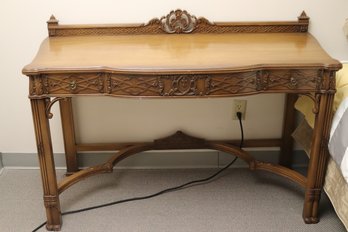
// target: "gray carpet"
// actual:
[[239, 200]]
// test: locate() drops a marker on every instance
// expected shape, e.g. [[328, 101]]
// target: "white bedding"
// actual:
[[338, 144]]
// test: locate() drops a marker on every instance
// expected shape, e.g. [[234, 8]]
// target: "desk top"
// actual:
[[175, 51], [179, 53]]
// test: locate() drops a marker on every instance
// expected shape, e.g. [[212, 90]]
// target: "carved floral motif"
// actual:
[[184, 85], [178, 22], [38, 85], [326, 81]]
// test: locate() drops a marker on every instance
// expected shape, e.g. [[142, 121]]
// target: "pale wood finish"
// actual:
[[118, 146], [187, 142], [318, 157], [66, 114], [180, 55], [170, 54], [46, 161], [282, 171], [289, 125]]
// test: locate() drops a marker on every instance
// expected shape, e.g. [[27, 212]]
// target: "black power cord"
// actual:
[[239, 115]]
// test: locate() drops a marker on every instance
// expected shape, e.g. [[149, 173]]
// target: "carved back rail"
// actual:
[[178, 21]]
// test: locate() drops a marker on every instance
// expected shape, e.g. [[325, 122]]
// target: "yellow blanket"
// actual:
[[305, 105]]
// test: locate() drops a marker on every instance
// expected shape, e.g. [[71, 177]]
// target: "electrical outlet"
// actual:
[[239, 106]]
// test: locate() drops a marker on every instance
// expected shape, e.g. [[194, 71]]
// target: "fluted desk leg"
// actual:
[[318, 157], [286, 149], [46, 161], [66, 112]]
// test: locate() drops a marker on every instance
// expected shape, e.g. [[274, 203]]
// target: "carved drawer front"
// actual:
[[289, 80], [238, 83], [79, 83], [214, 84]]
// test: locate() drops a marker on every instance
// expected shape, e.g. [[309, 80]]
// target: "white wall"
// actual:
[[23, 27]]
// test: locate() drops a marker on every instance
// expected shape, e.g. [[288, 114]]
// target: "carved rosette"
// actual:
[[177, 85], [178, 22], [184, 85]]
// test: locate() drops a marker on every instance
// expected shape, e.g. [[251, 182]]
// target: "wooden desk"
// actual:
[[180, 56]]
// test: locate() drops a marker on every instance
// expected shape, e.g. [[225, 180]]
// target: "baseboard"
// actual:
[[152, 159]]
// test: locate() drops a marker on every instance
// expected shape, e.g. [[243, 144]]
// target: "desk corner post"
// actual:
[[47, 166], [319, 150], [66, 112], [286, 149]]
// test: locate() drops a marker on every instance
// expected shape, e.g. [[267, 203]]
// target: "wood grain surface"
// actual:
[[167, 53]]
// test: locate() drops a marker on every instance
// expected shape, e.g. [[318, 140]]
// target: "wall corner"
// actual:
[[1, 164]]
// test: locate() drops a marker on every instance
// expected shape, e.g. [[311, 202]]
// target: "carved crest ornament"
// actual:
[[178, 22]]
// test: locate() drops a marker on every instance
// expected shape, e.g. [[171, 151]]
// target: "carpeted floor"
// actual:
[[238, 200]]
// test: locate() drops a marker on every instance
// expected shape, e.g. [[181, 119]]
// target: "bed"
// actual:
[[336, 179]]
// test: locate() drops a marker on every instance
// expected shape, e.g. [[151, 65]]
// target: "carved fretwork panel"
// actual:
[[78, 83], [289, 79], [132, 85], [186, 85], [178, 21], [156, 27]]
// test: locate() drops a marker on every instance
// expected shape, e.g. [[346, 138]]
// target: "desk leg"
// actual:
[[66, 113], [46, 161], [286, 148], [318, 159]]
